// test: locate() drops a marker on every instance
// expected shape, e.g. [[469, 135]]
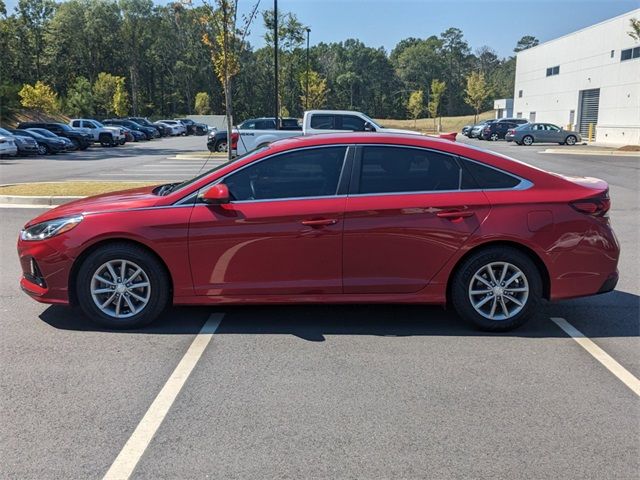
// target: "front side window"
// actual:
[[352, 123], [248, 125], [76, 123], [312, 172], [399, 169], [552, 128]]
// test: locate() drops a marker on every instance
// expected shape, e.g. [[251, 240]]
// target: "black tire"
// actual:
[[571, 140], [464, 276], [494, 137], [155, 271], [106, 140], [221, 146], [527, 140], [76, 143], [43, 149]]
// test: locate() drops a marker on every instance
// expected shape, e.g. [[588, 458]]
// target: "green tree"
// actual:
[[79, 101], [202, 103], [34, 17], [526, 42], [415, 105], [39, 97], [456, 55], [121, 99], [104, 89], [317, 90], [635, 29], [477, 92], [437, 91]]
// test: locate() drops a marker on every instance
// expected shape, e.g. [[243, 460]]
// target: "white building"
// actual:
[[591, 76]]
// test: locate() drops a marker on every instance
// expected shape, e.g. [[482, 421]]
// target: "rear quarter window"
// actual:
[[323, 122], [485, 177]]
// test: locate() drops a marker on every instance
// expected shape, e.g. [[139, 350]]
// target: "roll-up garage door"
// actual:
[[589, 101]]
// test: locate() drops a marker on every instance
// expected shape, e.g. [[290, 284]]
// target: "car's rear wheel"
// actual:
[[42, 149], [527, 140], [497, 289], [122, 286], [494, 137], [570, 140]]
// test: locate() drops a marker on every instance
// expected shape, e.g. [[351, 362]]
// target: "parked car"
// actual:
[[107, 136], [496, 130], [476, 129], [324, 207], [217, 141], [133, 135], [24, 145], [466, 130], [146, 123], [148, 132], [531, 133], [69, 146], [178, 127], [8, 146], [193, 128], [80, 139], [46, 145]]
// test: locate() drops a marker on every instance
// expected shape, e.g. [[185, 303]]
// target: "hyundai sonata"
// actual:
[[352, 217]]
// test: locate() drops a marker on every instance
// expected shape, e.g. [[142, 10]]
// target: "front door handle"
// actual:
[[320, 222], [453, 214]]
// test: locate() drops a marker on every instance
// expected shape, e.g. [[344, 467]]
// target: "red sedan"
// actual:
[[356, 218]]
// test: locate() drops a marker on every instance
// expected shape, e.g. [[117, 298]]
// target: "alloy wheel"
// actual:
[[120, 288], [498, 290]]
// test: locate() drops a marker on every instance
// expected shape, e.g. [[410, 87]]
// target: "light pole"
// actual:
[[306, 96], [275, 60]]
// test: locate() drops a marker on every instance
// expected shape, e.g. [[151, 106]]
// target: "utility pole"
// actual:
[[275, 61], [306, 95]]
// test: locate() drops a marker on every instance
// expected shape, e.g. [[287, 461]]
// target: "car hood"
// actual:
[[123, 200]]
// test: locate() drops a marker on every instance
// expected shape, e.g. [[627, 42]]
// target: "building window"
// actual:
[[572, 117], [532, 117], [553, 70], [629, 53], [519, 93], [519, 115], [612, 53]]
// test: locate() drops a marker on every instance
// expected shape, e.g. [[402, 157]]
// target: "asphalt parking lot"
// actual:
[[318, 391]]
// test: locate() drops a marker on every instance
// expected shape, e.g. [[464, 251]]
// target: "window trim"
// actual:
[[347, 164]]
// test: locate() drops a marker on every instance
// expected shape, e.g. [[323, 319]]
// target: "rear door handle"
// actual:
[[321, 222], [452, 214]]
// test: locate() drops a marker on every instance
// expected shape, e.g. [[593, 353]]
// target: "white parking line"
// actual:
[[132, 451], [603, 357]]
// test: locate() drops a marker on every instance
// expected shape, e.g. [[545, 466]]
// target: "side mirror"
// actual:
[[216, 195], [368, 127]]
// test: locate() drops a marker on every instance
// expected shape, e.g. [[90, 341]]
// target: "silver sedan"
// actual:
[[530, 133]]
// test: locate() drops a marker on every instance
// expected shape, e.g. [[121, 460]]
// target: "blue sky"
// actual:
[[496, 23]]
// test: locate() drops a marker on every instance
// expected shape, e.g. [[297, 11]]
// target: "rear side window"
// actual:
[[355, 124], [323, 122], [486, 177], [399, 169], [312, 172]]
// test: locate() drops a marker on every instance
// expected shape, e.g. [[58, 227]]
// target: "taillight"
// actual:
[[596, 206], [234, 140]]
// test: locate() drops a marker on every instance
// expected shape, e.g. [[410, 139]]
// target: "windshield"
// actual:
[[5, 132], [97, 124], [64, 127], [186, 183], [43, 132], [370, 120], [31, 133]]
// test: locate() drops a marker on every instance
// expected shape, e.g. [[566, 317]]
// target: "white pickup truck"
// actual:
[[314, 122], [107, 136]]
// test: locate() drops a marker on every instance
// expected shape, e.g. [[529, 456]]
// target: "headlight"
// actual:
[[50, 228]]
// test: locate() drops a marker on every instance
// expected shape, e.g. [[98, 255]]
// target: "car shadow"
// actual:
[[615, 315]]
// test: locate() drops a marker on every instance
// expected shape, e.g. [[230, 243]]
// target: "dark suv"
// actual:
[[80, 140], [498, 129], [148, 132]]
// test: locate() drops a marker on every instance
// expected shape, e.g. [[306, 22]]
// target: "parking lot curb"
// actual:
[[607, 153], [36, 200]]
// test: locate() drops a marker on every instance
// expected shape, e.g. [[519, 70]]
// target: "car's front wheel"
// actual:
[[570, 140], [122, 286], [497, 289], [494, 137]]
